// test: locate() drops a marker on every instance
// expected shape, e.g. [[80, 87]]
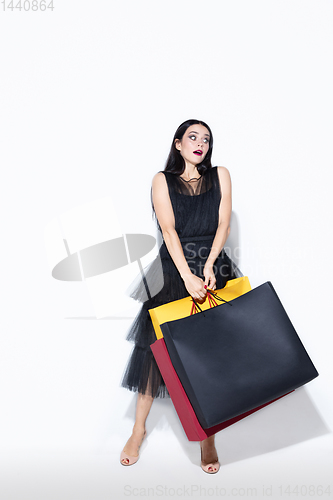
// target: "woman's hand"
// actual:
[[210, 280], [195, 286]]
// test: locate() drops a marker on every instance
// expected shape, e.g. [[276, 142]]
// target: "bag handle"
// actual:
[[212, 297]]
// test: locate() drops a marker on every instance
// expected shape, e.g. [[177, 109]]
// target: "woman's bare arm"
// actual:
[[223, 229], [166, 219]]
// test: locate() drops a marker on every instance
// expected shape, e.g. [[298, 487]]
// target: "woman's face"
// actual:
[[194, 145]]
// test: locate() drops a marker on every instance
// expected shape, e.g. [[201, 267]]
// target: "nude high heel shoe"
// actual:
[[212, 468], [126, 459]]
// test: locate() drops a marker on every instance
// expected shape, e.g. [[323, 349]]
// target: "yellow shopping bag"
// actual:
[[184, 307]]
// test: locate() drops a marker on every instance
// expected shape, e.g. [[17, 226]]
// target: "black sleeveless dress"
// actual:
[[196, 205]]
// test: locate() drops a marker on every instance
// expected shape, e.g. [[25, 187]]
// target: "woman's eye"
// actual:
[[192, 137], [206, 140]]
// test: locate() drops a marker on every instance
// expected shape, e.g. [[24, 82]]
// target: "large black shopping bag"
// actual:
[[238, 355]]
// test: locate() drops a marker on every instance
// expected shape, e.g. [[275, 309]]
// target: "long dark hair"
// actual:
[[175, 162]]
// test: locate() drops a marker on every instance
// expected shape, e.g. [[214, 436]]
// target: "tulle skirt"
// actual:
[[142, 374]]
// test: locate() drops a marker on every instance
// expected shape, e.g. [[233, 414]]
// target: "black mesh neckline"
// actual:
[[189, 180], [194, 186]]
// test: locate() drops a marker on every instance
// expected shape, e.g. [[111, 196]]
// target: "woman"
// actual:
[[192, 203]]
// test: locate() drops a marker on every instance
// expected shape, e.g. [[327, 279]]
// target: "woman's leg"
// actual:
[[209, 453], [143, 406]]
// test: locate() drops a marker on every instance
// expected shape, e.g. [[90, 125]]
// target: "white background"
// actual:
[[91, 95]]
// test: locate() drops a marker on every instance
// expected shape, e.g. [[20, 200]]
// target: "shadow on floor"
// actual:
[[286, 422]]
